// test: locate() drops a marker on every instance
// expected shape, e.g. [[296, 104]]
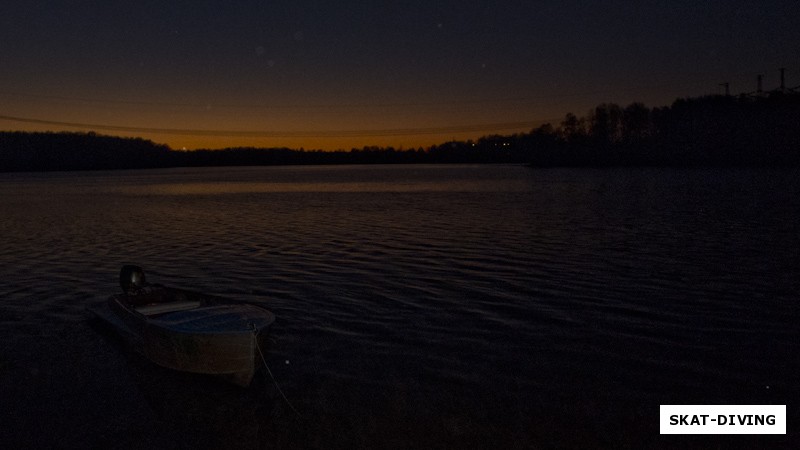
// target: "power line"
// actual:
[[290, 134]]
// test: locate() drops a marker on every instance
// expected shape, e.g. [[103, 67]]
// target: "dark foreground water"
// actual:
[[418, 306]]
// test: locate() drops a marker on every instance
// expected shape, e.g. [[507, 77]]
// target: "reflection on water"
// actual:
[[424, 305]]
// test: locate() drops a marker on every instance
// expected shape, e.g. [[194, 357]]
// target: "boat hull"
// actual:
[[208, 336]]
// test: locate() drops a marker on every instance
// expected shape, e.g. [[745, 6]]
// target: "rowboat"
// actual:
[[188, 331]]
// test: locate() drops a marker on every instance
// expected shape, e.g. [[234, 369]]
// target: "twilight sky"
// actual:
[[341, 74]]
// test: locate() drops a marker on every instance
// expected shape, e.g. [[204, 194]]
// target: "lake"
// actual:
[[417, 306]]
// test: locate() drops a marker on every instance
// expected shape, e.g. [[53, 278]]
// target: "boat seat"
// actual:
[[161, 308]]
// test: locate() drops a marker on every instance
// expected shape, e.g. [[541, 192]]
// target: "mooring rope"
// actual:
[[275, 382]]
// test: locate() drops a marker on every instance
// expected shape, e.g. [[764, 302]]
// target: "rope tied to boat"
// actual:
[[274, 381]]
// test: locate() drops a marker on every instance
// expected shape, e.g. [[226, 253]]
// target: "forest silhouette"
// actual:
[[745, 130]]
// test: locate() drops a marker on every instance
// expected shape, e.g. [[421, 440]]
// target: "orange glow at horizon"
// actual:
[[321, 132], [329, 141]]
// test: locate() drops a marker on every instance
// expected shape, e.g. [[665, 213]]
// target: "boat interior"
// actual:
[[149, 299]]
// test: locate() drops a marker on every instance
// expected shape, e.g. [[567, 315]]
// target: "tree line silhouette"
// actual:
[[716, 130], [23, 151], [706, 131]]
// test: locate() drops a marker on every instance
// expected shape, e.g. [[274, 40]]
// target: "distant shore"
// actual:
[[746, 130]]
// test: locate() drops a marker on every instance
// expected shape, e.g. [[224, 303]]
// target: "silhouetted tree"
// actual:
[[605, 124], [637, 126], [573, 129]]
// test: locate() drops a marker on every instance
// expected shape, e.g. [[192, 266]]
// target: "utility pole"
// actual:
[[760, 79], [783, 79], [727, 89]]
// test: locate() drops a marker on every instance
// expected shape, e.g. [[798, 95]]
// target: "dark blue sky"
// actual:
[[329, 74]]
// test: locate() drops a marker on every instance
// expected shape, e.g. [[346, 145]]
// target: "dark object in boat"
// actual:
[[131, 277], [185, 330]]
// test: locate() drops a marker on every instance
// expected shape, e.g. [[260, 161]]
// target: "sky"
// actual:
[[336, 74]]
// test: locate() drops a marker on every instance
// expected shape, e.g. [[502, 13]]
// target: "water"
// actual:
[[418, 306]]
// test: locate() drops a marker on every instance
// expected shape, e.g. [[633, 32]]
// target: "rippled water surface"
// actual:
[[418, 306]]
